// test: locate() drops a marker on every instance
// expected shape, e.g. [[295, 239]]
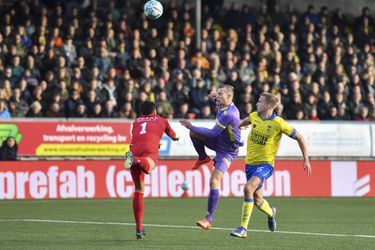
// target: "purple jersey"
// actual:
[[226, 131]]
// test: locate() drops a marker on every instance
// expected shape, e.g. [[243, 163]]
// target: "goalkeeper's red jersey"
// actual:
[[146, 134]]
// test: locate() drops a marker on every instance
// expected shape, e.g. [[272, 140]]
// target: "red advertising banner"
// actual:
[[60, 138], [108, 179]]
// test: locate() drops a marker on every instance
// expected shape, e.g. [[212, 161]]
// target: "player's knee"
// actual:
[[214, 183], [196, 136], [249, 189], [138, 188]]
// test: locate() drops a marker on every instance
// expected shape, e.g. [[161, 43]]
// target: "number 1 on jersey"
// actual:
[[143, 131]]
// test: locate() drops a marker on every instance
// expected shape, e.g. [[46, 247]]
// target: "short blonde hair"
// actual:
[[228, 88], [271, 99]]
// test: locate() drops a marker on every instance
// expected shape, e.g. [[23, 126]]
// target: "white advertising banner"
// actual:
[[330, 139], [373, 139], [323, 139]]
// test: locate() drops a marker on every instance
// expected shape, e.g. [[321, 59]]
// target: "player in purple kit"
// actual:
[[224, 138]]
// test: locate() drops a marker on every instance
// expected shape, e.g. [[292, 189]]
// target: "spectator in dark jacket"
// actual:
[[72, 103], [8, 150], [198, 96]]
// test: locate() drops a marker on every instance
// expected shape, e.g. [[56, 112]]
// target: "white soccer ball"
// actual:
[[185, 186], [153, 9]]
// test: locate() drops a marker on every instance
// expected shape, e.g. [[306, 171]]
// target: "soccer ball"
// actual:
[[185, 186], [153, 9]]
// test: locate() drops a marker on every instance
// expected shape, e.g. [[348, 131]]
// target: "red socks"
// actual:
[[138, 207], [143, 162]]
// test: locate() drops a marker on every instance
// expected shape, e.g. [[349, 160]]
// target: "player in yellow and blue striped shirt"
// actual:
[[262, 144]]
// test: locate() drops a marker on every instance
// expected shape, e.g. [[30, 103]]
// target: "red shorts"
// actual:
[[153, 156], [137, 174]]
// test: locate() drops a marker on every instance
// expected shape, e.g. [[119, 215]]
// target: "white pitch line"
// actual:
[[177, 226]]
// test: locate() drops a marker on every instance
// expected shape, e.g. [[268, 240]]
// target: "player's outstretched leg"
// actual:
[[199, 147], [145, 163], [199, 162], [129, 159]]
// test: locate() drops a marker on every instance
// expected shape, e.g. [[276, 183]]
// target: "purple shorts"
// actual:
[[223, 158]]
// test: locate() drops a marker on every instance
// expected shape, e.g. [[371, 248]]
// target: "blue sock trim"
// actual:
[[249, 200]]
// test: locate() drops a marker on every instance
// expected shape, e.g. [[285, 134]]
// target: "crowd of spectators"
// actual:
[[89, 59]]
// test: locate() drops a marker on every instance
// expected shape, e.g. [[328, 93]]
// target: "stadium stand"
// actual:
[[100, 60]]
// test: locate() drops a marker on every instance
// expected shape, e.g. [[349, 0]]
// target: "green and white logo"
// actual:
[[7, 130]]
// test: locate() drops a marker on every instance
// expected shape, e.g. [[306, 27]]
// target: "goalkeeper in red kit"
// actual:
[[142, 157]]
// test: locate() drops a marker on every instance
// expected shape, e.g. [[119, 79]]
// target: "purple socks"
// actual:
[[212, 203], [199, 147]]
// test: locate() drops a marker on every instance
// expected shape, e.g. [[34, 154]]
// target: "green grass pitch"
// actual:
[[302, 223]]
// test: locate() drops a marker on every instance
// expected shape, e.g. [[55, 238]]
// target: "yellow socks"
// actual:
[[265, 208], [247, 209]]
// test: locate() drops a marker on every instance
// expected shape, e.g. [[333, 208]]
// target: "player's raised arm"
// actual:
[[244, 123], [209, 132], [170, 132], [303, 147]]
